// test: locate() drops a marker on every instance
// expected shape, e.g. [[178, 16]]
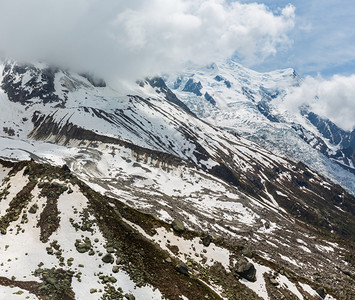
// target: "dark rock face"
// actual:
[[248, 93], [95, 81], [225, 173], [158, 82], [193, 87], [331, 131], [177, 83], [66, 168], [246, 270], [264, 108], [25, 82], [226, 82], [210, 99], [345, 156], [268, 94], [219, 78]]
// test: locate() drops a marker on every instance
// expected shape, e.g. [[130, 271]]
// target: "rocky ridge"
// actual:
[[102, 248]]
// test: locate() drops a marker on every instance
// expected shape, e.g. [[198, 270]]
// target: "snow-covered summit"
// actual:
[[252, 104]]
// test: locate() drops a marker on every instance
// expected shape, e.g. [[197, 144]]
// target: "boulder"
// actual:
[[246, 270], [27, 171], [346, 272], [108, 258], [2, 230], [247, 253], [130, 297], [321, 292], [168, 260], [110, 249], [178, 226], [119, 261], [273, 281], [33, 209], [65, 168], [117, 213], [82, 247], [206, 241], [50, 280], [182, 268]]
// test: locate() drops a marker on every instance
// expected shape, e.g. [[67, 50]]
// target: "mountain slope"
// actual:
[[87, 114], [79, 244], [140, 146]]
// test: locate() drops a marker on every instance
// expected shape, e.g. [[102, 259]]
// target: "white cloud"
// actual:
[[332, 98], [140, 37]]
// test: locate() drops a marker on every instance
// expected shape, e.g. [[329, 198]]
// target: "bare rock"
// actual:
[[178, 226], [182, 268], [246, 270]]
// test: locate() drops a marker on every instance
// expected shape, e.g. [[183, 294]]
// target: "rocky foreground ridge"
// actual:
[[62, 240]]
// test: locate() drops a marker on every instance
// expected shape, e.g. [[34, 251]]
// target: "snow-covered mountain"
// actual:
[[252, 104], [126, 163]]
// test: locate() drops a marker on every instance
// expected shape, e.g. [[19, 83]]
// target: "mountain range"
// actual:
[[184, 186]]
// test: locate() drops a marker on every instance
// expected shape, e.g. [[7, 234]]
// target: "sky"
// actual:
[[323, 38], [140, 37], [119, 39], [323, 53]]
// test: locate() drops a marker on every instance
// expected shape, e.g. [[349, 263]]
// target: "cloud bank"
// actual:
[[332, 98], [140, 37]]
